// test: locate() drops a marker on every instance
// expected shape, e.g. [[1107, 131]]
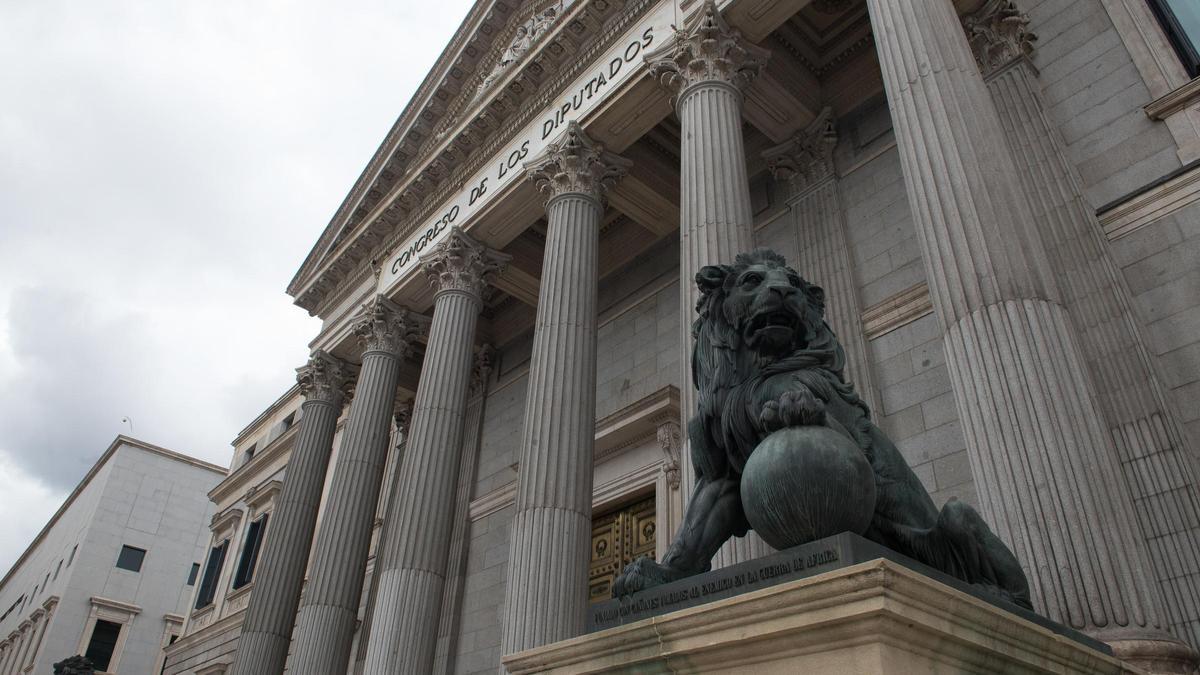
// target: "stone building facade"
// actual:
[[1001, 199], [110, 575]]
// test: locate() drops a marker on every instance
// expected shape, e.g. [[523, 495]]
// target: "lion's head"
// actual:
[[763, 304]]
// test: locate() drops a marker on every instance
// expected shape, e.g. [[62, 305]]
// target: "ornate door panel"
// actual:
[[618, 538]]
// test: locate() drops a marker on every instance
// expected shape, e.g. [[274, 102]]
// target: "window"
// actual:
[[71, 558], [245, 568], [1181, 21], [250, 453], [104, 641], [193, 574], [131, 558], [45, 582], [58, 569], [212, 575]]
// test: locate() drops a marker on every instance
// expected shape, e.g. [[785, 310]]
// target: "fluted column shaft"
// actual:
[[1150, 442], [456, 562], [546, 594], [1045, 469], [707, 67], [818, 219], [271, 614], [329, 610], [416, 537]]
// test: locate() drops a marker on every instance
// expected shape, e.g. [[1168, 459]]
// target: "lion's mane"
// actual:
[[726, 374]]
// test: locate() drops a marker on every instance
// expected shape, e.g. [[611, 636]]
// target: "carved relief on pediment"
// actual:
[[524, 37]]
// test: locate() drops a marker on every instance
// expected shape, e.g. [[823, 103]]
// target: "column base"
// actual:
[[873, 618], [1155, 654]]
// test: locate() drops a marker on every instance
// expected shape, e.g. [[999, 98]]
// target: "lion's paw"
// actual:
[[794, 408], [641, 574]]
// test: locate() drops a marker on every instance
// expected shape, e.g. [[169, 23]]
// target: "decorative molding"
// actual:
[[670, 441], [123, 610], [325, 378], [575, 164], [636, 423], [384, 326], [459, 263], [481, 369], [485, 505], [899, 310], [807, 159], [707, 50], [998, 35], [264, 493], [1160, 201], [1173, 101], [225, 520], [622, 487]]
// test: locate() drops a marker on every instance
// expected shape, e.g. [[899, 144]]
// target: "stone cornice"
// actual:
[[462, 54], [571, 45]]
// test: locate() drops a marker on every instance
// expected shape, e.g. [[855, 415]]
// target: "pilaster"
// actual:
[[805, 165], [414, 545], [546, 593], [328, 612], [1046, 470], [267, 627], [1151, 445]]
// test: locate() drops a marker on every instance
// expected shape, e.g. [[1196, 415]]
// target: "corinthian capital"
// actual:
[[574, 163], [459, 263], [384, 326], [806, 159], [998, 36], [706, 50], [325, 378]]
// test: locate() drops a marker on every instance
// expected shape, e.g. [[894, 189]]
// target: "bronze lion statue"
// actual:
[[765, 359]]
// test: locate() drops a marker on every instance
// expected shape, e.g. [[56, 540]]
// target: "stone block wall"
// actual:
[[483, 594], [1094, 93]]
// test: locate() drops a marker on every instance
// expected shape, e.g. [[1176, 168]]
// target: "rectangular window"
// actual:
[[45, 582], [250, 453], [104, 641], [1180, 19], [131, 558], [193, 574], [71, 559], [212, 575], [58, 569], [254, 537]]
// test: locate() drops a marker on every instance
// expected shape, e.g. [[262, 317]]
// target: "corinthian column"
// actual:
[[1044, 464], [420, 518], [267, 627], [1146, 432], [805, 163], [328, 612], [546, 595], [706, 67]]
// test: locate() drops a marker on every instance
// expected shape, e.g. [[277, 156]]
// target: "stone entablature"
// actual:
[[396, 194]]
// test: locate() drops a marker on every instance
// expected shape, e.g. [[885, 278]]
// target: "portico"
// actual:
[[555, 209]]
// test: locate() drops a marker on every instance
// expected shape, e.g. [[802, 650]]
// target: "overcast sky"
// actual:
[[165, 166]]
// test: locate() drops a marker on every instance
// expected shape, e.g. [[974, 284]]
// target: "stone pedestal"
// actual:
[[873, 618]]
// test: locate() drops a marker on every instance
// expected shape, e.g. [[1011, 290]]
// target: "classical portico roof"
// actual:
[[450, 127]]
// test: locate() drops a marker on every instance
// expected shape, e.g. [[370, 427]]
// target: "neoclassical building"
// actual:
[[1001, 199]]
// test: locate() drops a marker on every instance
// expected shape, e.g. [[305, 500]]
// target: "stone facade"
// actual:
[[137, 495], [1035, 196]]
